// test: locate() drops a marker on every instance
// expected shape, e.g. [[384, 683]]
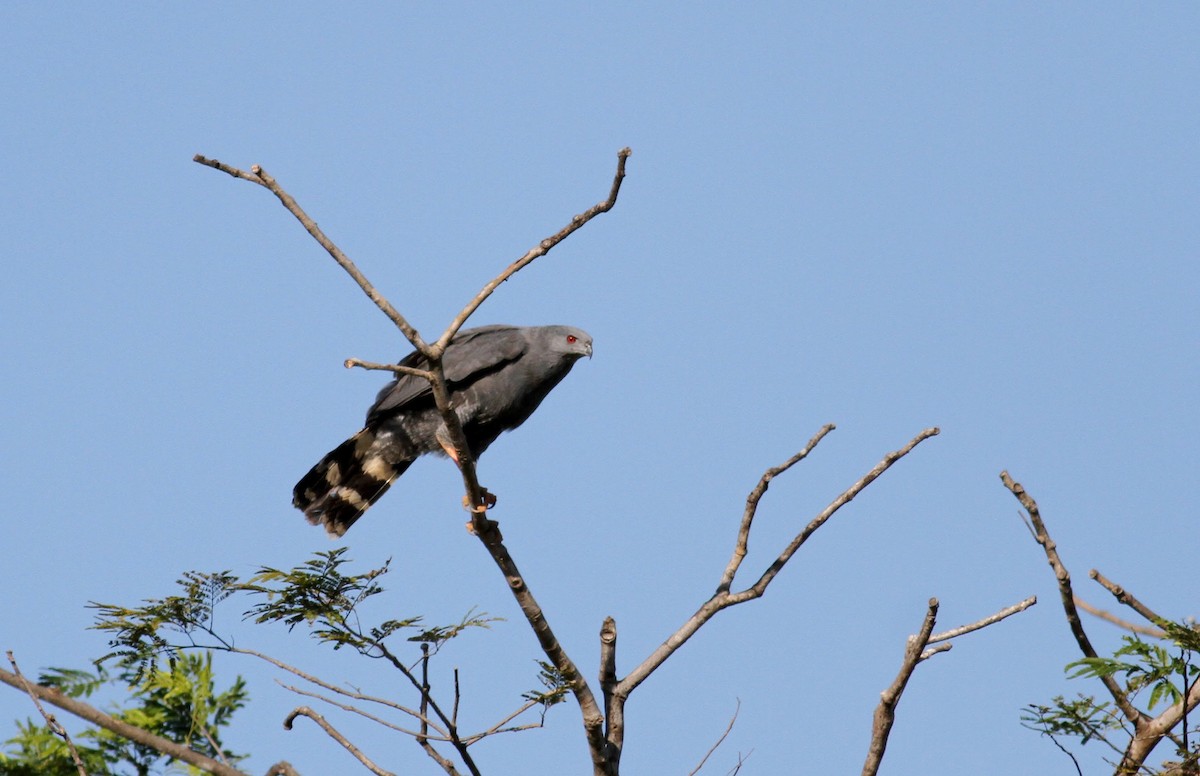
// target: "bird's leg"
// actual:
[[487, 499], [444, 440]]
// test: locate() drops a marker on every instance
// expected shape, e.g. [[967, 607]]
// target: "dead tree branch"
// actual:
[[986, 621], [722, 598], [1115, 620], [304, 711], [885, 712], [719, 741], [1147, 731], [91, 714], [1067, 595], [618, 693], [55, 726], [258, 175], [1125, 597], [539, 250], [915, 652]]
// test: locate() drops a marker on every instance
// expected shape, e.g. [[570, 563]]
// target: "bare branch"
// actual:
[[847, 496], [743, 538], [55, 727], [304, 711], [541, 249], [723, 599], [1112, 618], [1125, 597], [986, 621], [356, 710], [1066, 594], [424, 374], [885, 713], [934, 651], [258, 175], [593, 720], [339, 690], [614, 705], [123, 729], [720, 740]]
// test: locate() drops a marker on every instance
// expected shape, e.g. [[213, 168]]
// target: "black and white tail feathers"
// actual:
[[346, 482]]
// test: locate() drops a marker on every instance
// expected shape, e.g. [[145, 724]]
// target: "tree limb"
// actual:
[[487, 530], [986, 621], [719, 741], [723, 599], [1067, 595], [885, 712], [1123, 624], [258, 175], [541, 249], [743, 538], [123, 729], [1125, 597], [55, 727], [304, 711]]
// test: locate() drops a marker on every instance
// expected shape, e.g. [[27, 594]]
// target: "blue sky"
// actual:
[[885, 216]]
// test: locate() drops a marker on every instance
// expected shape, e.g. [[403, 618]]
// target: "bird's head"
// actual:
[[570, 341]]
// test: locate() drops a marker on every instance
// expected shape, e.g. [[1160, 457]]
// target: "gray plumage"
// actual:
[[497, 377]]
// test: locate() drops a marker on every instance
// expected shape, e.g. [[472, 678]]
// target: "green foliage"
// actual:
[[180, 704], [1151, 674], [317, 593], [1152, 666], [160, 652], [137, 634], [554, 684]]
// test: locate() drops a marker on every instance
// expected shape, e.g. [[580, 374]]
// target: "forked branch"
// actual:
[[915, 651], [487, 530], [1067, 596], [1147, 731]]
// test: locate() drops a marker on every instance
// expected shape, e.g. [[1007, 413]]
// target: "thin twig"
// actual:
[[258, 175], [541, 249], [946, 647], [986, 621], [424, 374], [1115, 620], [340, 690], [1125, 597], [743, 538], [304, 711], [847, 496], [55, 726], [720, 740], [356, 710]]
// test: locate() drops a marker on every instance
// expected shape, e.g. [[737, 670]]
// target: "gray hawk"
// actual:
[[497, 376]]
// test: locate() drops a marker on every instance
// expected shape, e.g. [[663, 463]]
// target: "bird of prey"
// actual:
[[497, 376]]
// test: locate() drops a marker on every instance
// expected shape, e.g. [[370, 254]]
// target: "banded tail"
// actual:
[[346, 482]]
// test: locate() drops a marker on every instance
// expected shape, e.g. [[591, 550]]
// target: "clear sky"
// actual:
[[885, 216]]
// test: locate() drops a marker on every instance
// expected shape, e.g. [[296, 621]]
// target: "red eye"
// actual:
[[571, 339]]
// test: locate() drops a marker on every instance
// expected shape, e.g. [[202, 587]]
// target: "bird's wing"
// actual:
[[471, 354]]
